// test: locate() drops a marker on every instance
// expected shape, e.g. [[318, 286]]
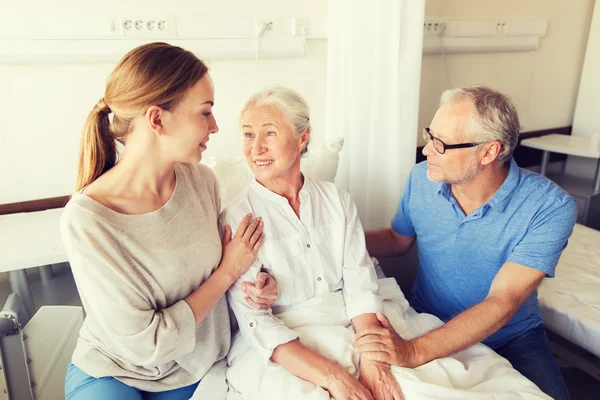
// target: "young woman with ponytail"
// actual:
[[142, 235]]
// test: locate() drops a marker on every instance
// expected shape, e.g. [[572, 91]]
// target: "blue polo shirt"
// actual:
[[528, 221]]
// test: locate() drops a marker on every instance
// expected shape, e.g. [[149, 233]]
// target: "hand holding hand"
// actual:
[[383, 344], [263, 293]]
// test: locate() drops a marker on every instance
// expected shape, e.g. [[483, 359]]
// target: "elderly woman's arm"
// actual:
[[273, 340], [360, 287], [363, 301], [312, 367]]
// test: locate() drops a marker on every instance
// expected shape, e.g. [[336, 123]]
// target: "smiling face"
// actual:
[[270, 144], [190, 124]]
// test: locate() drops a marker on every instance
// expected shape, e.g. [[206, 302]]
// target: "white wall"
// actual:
[[586, 120], [543, 84], [43, 107]]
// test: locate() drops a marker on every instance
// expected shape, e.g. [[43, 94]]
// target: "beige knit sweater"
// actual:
[[132, 274]]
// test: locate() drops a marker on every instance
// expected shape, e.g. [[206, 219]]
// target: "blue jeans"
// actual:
[[81, 386], [530, 355]]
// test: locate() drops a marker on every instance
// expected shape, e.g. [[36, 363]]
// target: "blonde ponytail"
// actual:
[[98, 151]]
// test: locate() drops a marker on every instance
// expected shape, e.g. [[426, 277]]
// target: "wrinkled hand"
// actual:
[[240, 251], [262, 294], [378, 378], [343, 386], [383, 344]]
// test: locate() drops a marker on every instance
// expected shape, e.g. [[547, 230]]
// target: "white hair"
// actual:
[[289, 102], [495, 117]]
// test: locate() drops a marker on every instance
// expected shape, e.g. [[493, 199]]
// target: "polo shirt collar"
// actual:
[[506, 190], [502, 196], [443, 189]]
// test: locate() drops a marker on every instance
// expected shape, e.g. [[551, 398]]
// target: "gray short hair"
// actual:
[[291, 103], [495, 117]]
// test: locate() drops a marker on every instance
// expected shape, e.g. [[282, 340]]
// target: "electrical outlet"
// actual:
[[314, 27], [148, 25], [262, 27], [501, 28], [434, 27], [111, 26], [300, 26]]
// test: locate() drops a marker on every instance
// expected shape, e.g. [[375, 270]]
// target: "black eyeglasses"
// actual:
[[441, 147]]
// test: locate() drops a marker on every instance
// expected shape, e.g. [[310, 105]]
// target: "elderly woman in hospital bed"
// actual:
[[302, 347]]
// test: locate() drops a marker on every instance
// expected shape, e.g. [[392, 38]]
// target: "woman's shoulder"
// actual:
[[199, 175], [323, 185], [328, 189], [80, 208], [83, 216], [198, 170]]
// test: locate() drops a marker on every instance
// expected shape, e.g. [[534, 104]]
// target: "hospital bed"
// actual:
[[34, 357], [570, 302]]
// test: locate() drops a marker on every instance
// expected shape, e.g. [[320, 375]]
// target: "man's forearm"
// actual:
[[382, 243], [464, 330]]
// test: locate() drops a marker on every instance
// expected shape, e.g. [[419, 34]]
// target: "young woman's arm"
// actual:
[[120, 314], [239, 253]]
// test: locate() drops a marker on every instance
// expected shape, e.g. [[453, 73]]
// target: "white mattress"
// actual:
[[570, 302]]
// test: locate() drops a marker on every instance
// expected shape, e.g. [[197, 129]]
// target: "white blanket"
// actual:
[[322, 325]]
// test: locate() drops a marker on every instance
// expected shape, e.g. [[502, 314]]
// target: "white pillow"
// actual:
[[234, 175], [321, 162]]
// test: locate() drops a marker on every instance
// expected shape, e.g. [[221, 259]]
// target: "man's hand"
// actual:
[[262, 294], [378, 378], [383, 344]]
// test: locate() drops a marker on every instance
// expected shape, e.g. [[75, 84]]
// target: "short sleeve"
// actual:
[[546, 238]]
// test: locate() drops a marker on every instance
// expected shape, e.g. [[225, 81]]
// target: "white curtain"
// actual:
[[374, 70]]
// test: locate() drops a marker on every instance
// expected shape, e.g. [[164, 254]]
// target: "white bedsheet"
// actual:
[[570, 302], [476, 373]]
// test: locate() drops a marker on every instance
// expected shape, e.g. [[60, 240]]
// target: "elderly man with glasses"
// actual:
[[487, 232]]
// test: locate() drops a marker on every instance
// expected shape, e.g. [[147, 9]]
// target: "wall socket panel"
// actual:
[[483, 27], [434, 27], [146, 25]]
